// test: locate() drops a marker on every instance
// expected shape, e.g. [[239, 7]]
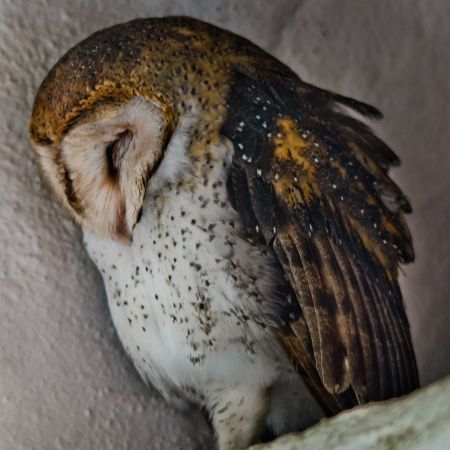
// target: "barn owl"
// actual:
[[244, 223]]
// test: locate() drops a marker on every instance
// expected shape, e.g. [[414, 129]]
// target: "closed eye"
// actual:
[[115, 152]]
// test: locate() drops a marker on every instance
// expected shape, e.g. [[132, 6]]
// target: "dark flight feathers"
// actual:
[[311, 181]]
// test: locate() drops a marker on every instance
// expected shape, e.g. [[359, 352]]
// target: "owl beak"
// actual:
[[122, 233], [124, 239]]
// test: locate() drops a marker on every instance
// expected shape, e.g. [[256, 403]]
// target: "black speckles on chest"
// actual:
[[189, 245]]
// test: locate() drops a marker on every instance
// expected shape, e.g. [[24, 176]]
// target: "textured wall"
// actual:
[[64, 380]]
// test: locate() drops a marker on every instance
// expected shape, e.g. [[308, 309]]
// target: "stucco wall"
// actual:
[[64, 380]]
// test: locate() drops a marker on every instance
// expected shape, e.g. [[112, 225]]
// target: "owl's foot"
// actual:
[[238, 416]]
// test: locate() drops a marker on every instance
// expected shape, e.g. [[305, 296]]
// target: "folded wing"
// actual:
[[312, 182]]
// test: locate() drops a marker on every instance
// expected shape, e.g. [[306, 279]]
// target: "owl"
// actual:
[[243, 221]]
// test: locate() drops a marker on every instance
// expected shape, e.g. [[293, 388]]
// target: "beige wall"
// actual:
[[64, 381]]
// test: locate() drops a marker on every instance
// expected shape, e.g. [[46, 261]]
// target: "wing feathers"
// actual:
[[346, 317], [364, 377], [312, 183], [330, 355]]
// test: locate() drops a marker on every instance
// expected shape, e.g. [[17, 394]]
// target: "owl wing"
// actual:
[[311, 182]]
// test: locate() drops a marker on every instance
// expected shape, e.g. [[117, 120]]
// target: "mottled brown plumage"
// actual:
[[311, 180], [307, 179]]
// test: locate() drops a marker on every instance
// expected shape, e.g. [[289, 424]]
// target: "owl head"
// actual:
[[100, 126], [101, 166], [108, 113], [105, 113]]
